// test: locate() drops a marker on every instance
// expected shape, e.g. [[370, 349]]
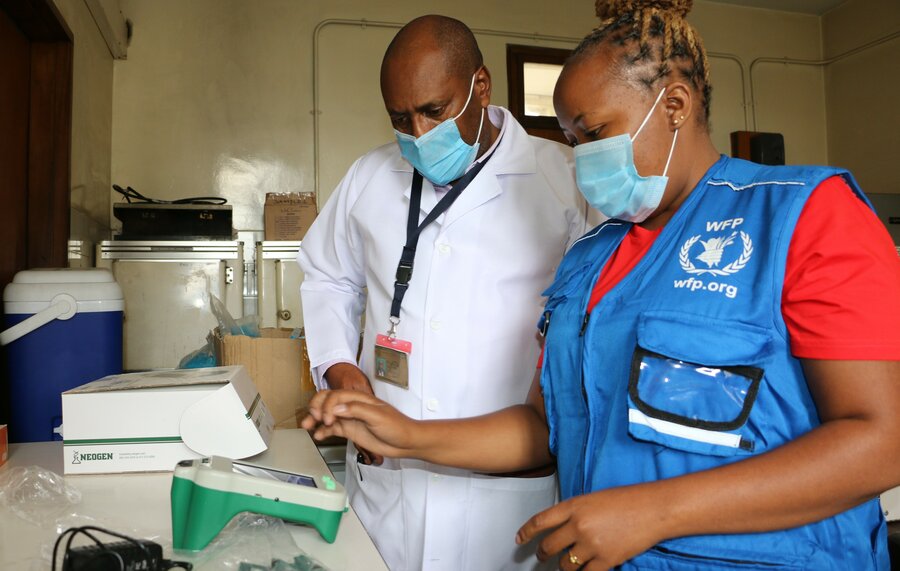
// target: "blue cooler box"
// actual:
[[63, 328]]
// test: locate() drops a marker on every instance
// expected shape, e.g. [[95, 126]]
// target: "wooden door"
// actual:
[[36, 49], [15, 65]]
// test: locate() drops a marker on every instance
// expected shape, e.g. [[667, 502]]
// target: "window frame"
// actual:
[[516, 57]]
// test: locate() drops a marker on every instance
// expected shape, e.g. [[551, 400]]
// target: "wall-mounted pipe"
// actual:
[[740, 64], [363, 23], [815, 63]]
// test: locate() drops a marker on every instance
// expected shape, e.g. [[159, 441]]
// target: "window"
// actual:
[[532, 72]]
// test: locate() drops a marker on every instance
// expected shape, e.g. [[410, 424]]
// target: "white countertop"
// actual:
[[138, 504]]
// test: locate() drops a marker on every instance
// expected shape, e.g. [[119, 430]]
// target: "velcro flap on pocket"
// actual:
[[700, 339]]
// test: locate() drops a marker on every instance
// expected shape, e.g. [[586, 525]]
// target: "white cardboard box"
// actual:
[[144, 422]]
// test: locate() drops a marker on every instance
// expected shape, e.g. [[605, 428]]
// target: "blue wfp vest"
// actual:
[[685, 365]]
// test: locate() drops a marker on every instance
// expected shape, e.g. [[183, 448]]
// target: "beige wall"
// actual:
[[216, 95], [862, 91], [788, 100], [92, 102], [350, 80]]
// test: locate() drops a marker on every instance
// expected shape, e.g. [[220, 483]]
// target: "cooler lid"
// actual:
[[64, 276], [91, 284]]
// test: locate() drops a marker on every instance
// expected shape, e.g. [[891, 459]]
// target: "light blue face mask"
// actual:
[[609, 181], [441, 155]]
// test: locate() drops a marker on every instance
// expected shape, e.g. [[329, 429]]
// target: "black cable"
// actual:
[[131, 194], [56, 545], [107, 550], [120, 536]]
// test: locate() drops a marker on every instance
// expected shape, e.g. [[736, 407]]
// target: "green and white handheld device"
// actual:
[[208, 492]]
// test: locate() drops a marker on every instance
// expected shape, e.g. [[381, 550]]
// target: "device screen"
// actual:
[[271, 474]]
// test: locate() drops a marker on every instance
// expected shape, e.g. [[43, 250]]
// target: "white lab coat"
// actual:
[[470, 313]]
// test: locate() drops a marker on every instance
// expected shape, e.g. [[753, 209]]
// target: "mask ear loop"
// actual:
[[469, 99], [466, 106], [671, 152], [481, 124], [649, 113]]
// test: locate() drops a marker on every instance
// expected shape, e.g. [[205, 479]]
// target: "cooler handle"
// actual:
[[62, 307]]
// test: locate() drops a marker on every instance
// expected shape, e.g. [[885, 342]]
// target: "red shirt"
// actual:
[[841, 296]]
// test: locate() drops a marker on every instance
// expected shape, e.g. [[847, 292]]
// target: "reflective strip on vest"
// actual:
[[687, 432]]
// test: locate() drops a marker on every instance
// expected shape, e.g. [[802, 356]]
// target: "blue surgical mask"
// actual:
[[441, 155], [609, 181]]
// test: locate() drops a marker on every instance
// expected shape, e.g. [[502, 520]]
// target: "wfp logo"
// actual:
[[714, 250]]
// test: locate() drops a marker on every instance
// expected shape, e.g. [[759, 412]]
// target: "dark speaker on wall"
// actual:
[[762, 148], [767, 149]]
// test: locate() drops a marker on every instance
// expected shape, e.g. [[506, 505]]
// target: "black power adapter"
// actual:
[[130, 554], [140, 555]]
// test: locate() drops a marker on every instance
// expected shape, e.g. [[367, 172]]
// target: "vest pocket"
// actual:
[[686, 389], [674, 560], [558, 292]]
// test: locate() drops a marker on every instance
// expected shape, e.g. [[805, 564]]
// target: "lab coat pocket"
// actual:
[[498, 507], [375, 493], [694, 381]]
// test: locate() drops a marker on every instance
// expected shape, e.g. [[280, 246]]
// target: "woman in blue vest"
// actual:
[[704, 405]]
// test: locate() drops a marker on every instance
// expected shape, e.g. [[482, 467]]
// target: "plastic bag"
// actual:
[[202, 357], [50, 506], [226, 322], [247, 325], [205, 356], [37, 495], [252, 542], [300, 563]]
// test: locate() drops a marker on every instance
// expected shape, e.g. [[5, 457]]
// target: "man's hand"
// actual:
[[346, 376]]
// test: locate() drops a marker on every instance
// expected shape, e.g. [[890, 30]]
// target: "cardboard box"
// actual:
[[144, 422], [4, 444], [278, 364], [289, 215]]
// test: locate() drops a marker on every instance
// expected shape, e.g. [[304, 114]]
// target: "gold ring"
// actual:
[[573, 559]]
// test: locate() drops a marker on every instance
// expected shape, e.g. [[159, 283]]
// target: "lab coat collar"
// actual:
[[514, 155]]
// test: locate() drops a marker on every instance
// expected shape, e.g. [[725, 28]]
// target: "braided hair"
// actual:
[[653, 33]]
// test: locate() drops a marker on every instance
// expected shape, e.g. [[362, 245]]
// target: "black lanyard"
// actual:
[[414, 229]]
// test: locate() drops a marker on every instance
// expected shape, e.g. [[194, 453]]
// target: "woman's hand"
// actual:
[[597, 531], [509, 440], [369, 422]]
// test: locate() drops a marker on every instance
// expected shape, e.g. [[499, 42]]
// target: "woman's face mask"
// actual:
[[441, 155], [609, 181]]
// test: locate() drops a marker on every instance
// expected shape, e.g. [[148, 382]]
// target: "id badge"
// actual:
[[392, 360]]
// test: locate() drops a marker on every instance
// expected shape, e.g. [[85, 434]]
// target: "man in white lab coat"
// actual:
[[462, 339]]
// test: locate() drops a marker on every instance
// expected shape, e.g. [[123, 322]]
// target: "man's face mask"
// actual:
[[609, 181], [441, 155]]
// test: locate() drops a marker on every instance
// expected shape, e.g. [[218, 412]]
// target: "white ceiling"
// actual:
[[818, 7]]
